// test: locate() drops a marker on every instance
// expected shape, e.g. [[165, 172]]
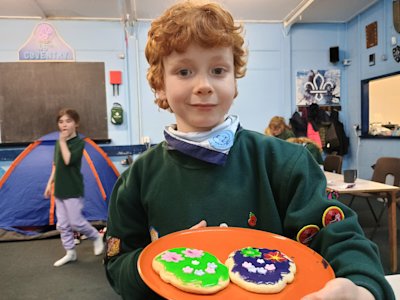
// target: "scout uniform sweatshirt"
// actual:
[[266, 184]]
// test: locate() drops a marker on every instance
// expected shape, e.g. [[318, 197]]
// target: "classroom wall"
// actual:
[[268, 89], [365, 152]]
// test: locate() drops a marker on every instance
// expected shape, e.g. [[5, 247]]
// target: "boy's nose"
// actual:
[[203, 86], [204, 90]]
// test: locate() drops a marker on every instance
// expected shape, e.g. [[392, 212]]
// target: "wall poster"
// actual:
[[318, 86], [371, 34]]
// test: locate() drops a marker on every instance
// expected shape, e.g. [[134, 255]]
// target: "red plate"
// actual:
[[311, 275]]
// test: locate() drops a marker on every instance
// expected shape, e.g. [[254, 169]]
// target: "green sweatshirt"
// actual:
[[285, 134], [314, 152], [279, 182], [68, 179]]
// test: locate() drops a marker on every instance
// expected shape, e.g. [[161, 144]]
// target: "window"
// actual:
[[380, 106]]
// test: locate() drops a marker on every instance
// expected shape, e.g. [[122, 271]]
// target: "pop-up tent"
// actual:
[[22, 204]]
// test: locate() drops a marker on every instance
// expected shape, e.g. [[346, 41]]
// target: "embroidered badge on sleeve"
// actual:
[[307, 233], [331, 215], [113, 246], [252, 221], [153, 234]]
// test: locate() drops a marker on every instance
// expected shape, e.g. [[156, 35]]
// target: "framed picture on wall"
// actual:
[[318, 86], [371, 34], [396, 15]]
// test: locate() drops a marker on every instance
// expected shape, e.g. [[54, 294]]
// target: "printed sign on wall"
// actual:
[[318, 86], [45, 44]]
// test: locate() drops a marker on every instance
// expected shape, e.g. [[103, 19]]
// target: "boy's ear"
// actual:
[[161, 95]]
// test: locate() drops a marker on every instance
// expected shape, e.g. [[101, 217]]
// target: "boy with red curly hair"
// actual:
[[212, 171]]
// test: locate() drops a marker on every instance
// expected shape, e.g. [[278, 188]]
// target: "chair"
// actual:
[[387, 171], [333, 163]]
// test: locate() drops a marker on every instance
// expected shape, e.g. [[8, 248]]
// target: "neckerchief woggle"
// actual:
[[211, 146]]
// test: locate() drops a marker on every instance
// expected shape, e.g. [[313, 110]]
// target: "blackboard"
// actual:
[[32, 93]]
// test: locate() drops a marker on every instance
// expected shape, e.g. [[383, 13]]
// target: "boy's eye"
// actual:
[[218, 71], [184, 72]]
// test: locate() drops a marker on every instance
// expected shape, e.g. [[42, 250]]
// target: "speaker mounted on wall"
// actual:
[[334, 54]]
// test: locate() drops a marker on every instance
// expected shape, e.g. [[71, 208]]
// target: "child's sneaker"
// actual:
[[98, 245]]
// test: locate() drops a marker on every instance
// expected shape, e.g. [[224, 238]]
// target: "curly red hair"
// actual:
[[207, 25]]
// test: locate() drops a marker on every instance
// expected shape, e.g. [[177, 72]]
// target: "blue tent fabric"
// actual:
[[22, 203], [2, 172]]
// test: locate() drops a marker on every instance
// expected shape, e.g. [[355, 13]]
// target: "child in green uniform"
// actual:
[[210, 170], [277, 127], [68, 187]]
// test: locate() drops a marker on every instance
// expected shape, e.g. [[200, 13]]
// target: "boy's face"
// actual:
[[199, 86], [67, 126]]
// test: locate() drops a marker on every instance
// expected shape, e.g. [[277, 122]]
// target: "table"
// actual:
[[335, 183]]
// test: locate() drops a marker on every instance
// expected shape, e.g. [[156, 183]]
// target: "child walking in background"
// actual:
[[68, 187], [210, 170]]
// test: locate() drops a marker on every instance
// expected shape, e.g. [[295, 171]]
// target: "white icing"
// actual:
[[187, 270], [199, 272], [270, 267]]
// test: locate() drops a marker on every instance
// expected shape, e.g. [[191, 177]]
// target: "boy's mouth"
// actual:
[[204, 106]]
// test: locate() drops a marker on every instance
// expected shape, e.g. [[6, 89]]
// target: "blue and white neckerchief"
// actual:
[[212, 146]]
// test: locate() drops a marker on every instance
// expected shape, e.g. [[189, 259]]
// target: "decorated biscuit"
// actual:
[[260, 270], [191, 270]]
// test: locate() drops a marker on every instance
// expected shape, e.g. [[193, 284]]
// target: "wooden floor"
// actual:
[[27, 272]]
